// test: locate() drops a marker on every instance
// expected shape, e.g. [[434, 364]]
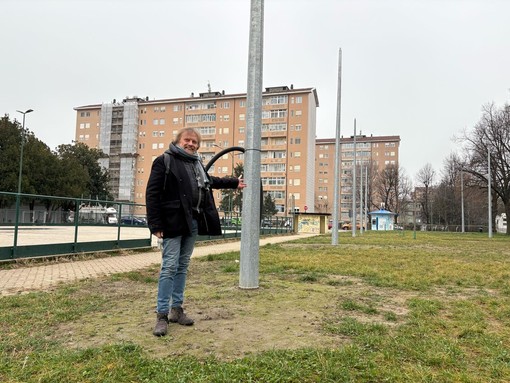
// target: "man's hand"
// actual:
[[159, 234]]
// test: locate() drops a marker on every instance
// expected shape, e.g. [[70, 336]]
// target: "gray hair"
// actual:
[[188, 130]]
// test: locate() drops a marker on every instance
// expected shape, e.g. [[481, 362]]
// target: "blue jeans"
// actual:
[[174, 268]]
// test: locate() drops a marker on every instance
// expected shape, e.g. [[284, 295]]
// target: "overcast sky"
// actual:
[[420, 69]]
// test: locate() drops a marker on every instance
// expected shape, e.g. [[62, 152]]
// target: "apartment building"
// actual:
[[372, 152], [134, 131]]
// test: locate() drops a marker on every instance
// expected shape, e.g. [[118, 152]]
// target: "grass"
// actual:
[[377, 307]]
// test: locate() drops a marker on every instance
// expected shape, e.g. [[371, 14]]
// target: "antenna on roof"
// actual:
[[208, 86]]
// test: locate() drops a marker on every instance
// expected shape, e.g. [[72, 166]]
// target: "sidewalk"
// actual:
[[26, 279]]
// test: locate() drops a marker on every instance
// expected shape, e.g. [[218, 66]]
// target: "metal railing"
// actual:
[[37, 225], [34, 225]]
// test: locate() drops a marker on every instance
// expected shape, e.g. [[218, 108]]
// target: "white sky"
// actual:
[[421, 69]]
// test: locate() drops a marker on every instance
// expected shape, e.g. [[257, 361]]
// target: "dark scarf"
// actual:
[[201, 177]]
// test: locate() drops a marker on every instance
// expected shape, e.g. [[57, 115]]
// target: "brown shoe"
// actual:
[[177, 315], [161, 327]]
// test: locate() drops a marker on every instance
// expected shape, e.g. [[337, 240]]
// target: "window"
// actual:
[[277, 113], [273, 181], [297, 141], [207, 130], [195, 118], [177, 108], [299, 113], [297, 168], [274, 127], [154, 146], [275, 100], [162, 133], [242, 104], [298, 127], [175, 120], [299, 99], [82, 126], [241, 117], [161, 121], [155, 121], [297, 154]]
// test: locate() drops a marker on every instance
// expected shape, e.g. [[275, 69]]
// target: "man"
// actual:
[[180, 205]]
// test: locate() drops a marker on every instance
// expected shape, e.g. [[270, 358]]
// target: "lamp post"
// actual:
[[18, 196], [22, 145]]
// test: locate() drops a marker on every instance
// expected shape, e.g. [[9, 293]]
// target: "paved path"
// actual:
[[30, 278]]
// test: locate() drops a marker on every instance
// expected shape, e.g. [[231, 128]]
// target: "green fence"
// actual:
[[39, 226]]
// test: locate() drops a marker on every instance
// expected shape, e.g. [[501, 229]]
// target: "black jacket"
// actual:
[[169, 208]]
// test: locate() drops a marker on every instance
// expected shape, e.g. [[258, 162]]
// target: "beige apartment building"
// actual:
[[372, 152], [134, 131]]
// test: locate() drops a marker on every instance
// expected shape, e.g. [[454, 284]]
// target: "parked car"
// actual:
[[132, 220]]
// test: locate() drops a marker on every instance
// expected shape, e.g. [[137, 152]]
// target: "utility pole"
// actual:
[[250, 226], [336, 189], [489, 189], [353, 218]]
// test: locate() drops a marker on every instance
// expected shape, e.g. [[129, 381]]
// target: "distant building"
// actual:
[[297, 169], [372, 152], [133, 132]]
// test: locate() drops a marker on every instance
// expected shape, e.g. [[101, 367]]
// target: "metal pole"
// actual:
[[366, 197], [353, 218], [20, 174], [360, 199], [336, 192], [462, 198], [489, 190], [250, 227]]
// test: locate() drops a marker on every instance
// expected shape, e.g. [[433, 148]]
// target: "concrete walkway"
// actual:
[[32, 278]]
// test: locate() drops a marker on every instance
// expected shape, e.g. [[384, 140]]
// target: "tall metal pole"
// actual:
[[336, 189], [462, 197], [21, 151], [360, 199], [20, 174], [366, 197], [353, 218], [250, 227], [489, 190]]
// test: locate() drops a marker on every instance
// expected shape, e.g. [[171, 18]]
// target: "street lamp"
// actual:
[[22, 144], [18, 196]]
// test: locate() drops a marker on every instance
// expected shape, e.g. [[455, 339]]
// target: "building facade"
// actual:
[[133, 132], [372, 153]]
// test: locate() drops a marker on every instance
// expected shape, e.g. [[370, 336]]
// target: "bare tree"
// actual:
[[491, 134], [426, 177], [386, 187], [404, 192]]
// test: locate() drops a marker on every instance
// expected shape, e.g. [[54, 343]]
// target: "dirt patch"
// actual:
[[283, 313], [287, 311]]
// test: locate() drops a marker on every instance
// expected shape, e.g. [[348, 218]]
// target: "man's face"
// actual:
[[189, 142]]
